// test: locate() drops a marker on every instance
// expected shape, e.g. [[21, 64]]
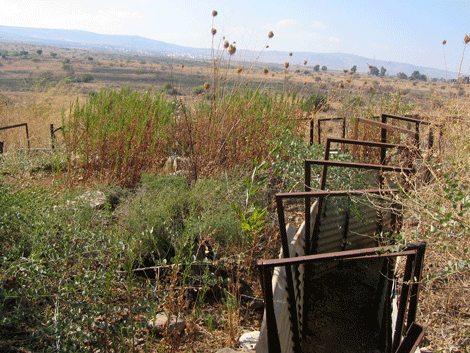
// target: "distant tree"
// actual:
[[68, 69], [353, 69], [316, 68], [464, 79], [90, 58], [53, 54], [39, 52], [373, 70], [402, 75], [417, 76], [324, 68], [382, 71], [23, 52], [66, 61]]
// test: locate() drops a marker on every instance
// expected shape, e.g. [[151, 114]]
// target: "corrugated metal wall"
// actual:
[[338, 215]]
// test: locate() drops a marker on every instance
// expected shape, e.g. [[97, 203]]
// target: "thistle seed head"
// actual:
[[270, 34], [466, 39], [226, 44], [265, 71], [214, 13], [213, 31], [239, 69], [291, 53], [207, 85], [444, 42], [345, 71], [232, 49], [286, 65], [305, 62]]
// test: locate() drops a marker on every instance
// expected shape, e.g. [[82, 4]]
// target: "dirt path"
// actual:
[[342, 316]]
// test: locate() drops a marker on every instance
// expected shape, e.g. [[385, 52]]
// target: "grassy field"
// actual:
[[80, 278]]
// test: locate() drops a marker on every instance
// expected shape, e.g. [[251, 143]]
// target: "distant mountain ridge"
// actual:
[[140, 45]]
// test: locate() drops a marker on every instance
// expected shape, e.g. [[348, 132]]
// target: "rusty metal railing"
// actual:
[[309, 237]]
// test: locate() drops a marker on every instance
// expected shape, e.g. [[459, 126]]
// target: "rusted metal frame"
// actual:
[[311, 132], [367, 253], [408, 118], [383, 145], [365, 143], [53, 137], [19, 125], [386, 126], [390, 273], [307, 195], [326, 163], [329, 119], [386, 168], [411, 252], [404, 300], [289, 278], [412, 339], [274, 344], [13, 126], [402, 118], [417, 273]]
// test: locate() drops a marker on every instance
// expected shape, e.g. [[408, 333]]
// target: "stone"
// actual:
[[248, 340], [176, 165], [96, 199], [160, 321], [180, 163]]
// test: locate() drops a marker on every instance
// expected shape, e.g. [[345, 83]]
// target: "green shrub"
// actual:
[[87, 78], [199, 90], [169, 217]]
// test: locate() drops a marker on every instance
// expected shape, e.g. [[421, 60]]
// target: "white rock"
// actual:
[[95, 199], [248, 340]]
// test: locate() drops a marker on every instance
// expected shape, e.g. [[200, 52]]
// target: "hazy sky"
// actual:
[[396, 30]]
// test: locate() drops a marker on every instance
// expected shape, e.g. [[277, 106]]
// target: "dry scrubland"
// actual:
[[68, 279]]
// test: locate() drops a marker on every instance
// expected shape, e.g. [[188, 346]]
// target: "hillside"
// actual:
[[141, 45]]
